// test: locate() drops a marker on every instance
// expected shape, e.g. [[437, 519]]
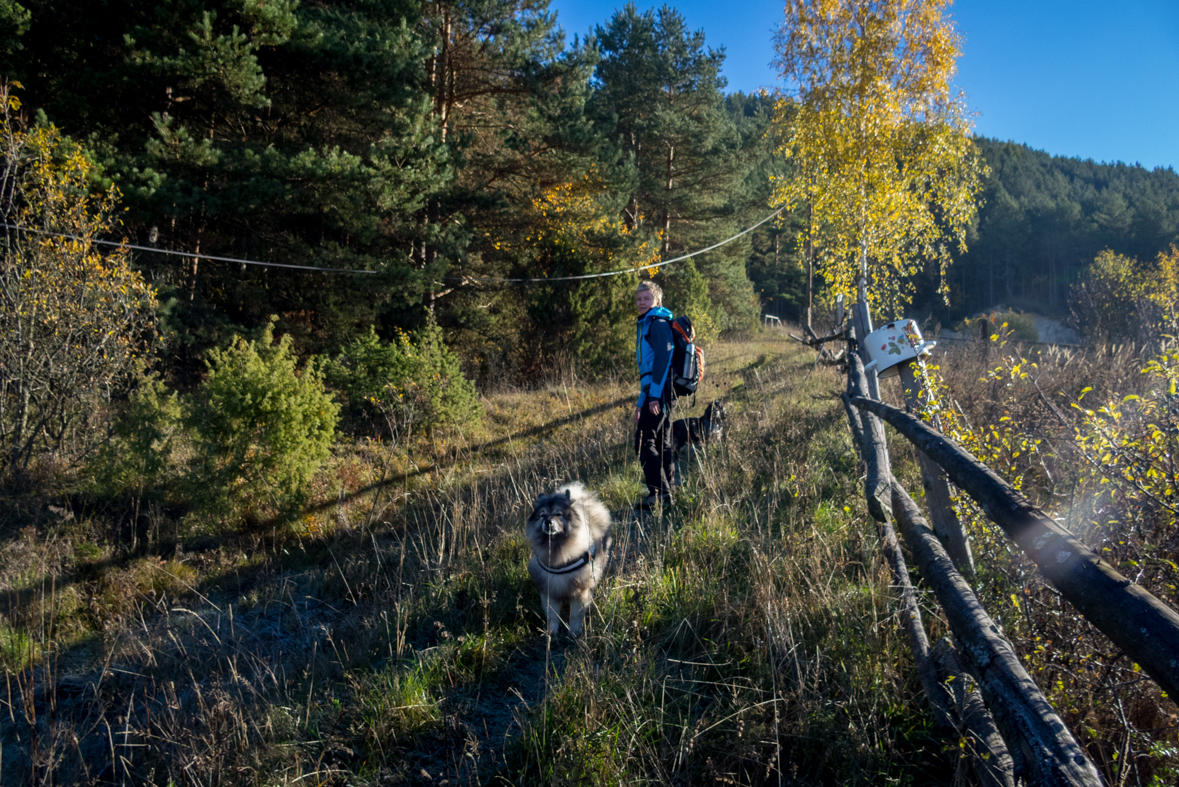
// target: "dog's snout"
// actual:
[[552, 525]]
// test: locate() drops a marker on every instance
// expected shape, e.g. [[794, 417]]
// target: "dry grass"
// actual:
[[1130, 729], [746, 636]]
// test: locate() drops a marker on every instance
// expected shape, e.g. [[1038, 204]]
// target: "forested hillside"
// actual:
[[1044, 219], [436, 145]]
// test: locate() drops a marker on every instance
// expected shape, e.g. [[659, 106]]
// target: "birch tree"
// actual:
[[884, 160], [75, 322]]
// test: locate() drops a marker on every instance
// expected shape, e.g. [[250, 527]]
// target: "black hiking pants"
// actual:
[[653, 443]]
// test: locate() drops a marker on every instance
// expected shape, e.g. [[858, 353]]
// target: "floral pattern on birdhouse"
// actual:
[[894, 343], [900, 335]]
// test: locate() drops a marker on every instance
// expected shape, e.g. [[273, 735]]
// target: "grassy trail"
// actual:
[[745, 636]]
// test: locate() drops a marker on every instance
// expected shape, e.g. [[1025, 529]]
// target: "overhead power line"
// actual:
[[197, 256], [681, 258], [188, 254]]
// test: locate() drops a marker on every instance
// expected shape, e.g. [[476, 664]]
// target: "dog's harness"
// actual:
[[586, 557]]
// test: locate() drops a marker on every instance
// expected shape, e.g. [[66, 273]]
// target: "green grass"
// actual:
[[18, 651], [745, 636]]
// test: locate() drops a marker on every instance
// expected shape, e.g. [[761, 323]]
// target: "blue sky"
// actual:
[[1070, 77]]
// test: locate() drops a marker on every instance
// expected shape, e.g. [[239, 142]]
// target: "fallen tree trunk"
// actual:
[[1029, 724], [1142, 626]]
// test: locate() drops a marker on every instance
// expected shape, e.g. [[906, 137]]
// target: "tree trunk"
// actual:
[[667, 202], [810, 264]]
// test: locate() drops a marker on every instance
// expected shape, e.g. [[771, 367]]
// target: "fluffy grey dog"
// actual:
[[569, 531]]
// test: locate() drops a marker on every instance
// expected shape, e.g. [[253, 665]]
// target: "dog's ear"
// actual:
[[568, 493]]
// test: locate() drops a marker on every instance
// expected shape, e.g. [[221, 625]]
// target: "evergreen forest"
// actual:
[[1044, 219], [439, 147]]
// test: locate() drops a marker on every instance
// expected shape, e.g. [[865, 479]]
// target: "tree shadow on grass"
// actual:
[[322, 609], [309, 612]]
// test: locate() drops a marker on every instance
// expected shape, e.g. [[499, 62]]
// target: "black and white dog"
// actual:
[[699, 431]]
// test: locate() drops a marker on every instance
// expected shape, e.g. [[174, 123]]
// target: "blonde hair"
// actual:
[[655, 290]]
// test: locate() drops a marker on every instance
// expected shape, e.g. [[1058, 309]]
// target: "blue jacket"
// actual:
[[653, 345]]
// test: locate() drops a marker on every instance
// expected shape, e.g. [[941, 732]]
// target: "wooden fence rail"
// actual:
[[1036, 736], [1144, 628], [1038, 744], [910, 611], [990, 757]]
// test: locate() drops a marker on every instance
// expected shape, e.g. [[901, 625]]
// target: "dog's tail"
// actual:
[[574, 490]]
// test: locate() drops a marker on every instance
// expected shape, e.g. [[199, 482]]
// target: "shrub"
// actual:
[[1122, 300], [1015, 325], [1126, 482], [1103, 467], [260, 427], [413, 381], [76, 323], [1103, 302], [363, 369], [138, 460]]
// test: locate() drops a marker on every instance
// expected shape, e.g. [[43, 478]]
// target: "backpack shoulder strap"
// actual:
[[678, 327], [656, 318]]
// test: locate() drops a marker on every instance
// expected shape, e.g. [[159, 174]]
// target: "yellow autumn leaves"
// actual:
[[885, 169], [1120, 299], [74, 322], [572, 220]]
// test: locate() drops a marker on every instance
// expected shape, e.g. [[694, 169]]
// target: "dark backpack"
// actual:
[[687, 359]]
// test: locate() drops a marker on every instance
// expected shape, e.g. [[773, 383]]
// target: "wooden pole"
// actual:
[[1137, 622], [910, 612], [874, 449], [989, 755], [1029, 724], [937, 490], [861, 319]]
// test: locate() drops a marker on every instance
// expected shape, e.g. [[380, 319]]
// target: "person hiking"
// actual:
[[653, 411]]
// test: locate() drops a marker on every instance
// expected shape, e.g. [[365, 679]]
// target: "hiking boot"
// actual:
[[652, 500]]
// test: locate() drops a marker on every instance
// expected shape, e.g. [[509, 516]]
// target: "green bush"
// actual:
[[412, 382], [260, 428], [138, 460]]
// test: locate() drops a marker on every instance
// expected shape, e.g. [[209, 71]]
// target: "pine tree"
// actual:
[[658, 98], [270, 130]]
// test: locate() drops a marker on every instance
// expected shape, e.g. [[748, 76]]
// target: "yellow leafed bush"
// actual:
[[1120, 299], [75, 322]]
